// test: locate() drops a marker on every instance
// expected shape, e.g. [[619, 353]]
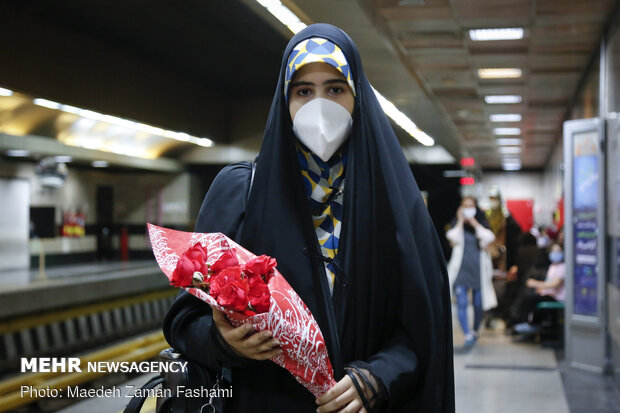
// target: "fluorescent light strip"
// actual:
[[5, 92], [482, 35], [17, 153], [509, 149], [283, 14], [403, 121], [508, 141], [63, 158], [507, 131], [497, 99], [290, 20], [47, 103], [114, 120], [499, 73], [505, 117], [511, 167], [100, 164]]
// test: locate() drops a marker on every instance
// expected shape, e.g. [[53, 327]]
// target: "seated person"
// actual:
[[551, 289]]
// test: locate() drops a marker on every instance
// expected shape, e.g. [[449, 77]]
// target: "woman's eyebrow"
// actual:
[[335, 81], [327, 82], [301, 83]]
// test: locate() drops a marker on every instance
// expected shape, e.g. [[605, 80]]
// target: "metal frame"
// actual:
[[585, 334]]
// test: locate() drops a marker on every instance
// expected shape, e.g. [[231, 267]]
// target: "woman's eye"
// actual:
[[334, 90], [304, 92]]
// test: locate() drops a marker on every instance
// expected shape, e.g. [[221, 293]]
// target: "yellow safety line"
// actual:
[[149, 406], [139, 349], [24, 323]]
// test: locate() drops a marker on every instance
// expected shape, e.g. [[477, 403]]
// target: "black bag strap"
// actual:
[[247, 198], [136, 402]]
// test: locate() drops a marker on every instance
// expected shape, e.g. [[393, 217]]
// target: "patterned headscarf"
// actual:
[[313, 50], [324, 186]]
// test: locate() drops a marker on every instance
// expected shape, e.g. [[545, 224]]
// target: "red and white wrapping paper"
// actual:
[[291, 322]]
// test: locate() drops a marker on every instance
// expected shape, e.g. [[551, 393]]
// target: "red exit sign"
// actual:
[[467, 162]]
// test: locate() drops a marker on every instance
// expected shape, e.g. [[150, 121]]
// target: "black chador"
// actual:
[[389, 311]]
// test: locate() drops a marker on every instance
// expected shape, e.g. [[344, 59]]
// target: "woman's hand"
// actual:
[[472, 221], [460, 218], [244, 341], [344, 398], [532, 283]]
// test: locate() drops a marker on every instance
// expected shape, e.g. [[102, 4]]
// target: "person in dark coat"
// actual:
[[333, 199]]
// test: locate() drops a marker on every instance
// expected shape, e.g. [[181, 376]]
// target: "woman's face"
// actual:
[[468, 203], [319, 80]]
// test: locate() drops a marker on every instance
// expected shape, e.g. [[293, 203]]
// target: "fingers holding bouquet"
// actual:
[[245, 341]]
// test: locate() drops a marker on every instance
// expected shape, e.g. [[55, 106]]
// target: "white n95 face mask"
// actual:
[[469, 212], [323, 126]]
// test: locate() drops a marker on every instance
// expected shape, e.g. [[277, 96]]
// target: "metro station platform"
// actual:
[[497, 375]]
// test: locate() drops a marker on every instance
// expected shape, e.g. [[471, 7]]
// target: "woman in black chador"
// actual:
[[332, 198]]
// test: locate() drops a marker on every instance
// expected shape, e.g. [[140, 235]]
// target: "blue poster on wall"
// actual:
[[585, 206]]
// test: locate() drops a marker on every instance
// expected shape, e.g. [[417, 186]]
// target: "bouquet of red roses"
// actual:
[[248, 289]]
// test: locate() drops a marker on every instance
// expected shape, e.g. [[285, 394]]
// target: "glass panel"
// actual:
[[585, 210]]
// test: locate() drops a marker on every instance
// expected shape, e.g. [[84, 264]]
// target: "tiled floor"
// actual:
[[589, 392], [497, 375]]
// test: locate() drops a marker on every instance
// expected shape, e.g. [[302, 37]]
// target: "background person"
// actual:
[[470, 267], [550, 289]]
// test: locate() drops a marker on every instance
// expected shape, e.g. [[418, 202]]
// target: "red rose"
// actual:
[[261, 266], [229, 289], [227, 259], [259, 295], [192, 260]]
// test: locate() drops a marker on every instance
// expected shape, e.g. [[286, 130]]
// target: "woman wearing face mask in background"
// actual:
[[551, 289], [470, 265], [334, 201]]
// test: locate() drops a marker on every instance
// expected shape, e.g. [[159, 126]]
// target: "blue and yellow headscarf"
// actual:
[[324, 187], [315, 50]]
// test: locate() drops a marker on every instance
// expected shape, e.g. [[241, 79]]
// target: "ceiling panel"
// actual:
[[560, 36]]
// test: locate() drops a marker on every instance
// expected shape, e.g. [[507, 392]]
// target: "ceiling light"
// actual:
[[511, 167], [5, 92], [481, 35], [63, 158], [100, 164], [505, 117], [508, 141], [206, 142], [499, 73], [17, 153], [284, 14], [47, 103], [507, 131], [126, 123], [403, 121], [495, 99], [509, 149]]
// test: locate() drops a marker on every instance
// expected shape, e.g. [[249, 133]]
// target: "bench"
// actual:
[[552, 323]]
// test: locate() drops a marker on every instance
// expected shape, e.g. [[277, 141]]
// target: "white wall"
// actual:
[[522, 185], [14, 224], [553, 179]]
